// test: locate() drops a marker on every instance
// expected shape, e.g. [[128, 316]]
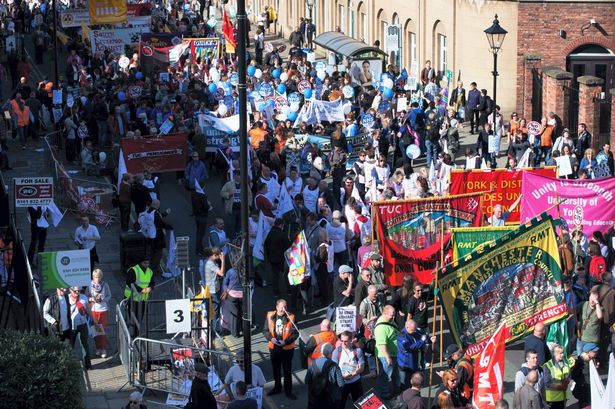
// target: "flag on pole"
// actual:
[[55, 213], [489, 371], [524, 162], [298, 259], [172, 270], [121, 169], [601, 397], [229, 34], [261, 235], [285, 202]]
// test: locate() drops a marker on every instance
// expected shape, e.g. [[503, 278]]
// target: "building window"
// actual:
[[364, 31], [342, 19], [442, 55], [383, 40], [351, 23]]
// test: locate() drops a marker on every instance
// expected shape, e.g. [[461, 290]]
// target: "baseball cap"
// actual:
[[375, 256]]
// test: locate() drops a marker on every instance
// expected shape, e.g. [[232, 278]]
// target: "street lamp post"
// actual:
[[495, 36], [310, 4]]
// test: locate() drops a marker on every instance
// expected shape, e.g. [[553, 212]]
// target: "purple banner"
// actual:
[[589, 202]]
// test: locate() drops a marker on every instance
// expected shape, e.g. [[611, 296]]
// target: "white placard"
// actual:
[[494, 143], [563, 165], [178, 316], [345, 319], [402, 104], [311, 57], [256, 393], [57, 97]]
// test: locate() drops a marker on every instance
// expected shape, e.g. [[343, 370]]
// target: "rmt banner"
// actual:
[[163, 154], [33, 191]]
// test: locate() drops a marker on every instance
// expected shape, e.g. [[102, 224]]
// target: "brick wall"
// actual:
[[538, 32]]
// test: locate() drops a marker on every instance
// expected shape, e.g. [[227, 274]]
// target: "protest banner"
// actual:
[[165, 154], [298, 259], [262, 231], [588, 202], [412, 232], [489, 372], [139, 14], [205, 48], [154, 50], [516, 280], [74, 18], [501, 186], [465, 240], [346, 319], [108, 11], [62, 269], [114, 40]]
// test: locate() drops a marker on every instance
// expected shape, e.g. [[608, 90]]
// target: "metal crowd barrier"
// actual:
[[124, 341]]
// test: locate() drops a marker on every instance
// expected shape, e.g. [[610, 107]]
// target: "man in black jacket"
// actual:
[[39, 224], [200, 210], [276, 244], [201, 395], [482, 143], [584, 141]]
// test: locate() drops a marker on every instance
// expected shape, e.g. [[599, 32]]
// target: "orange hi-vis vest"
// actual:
[[323, 337], [23, 116], [286, 331], [466, 363]]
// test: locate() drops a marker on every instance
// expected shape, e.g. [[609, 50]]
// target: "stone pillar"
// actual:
[[589, 105], [530, 61], [612, 140], [556, 93]]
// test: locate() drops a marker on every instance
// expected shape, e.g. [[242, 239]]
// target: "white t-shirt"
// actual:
[[310, 198], [348, 361], [236, 374], [338, 237], [81, 234], [293, 187], [273, 187]]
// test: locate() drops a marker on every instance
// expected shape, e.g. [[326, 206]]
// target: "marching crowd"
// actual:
[[368, 160]]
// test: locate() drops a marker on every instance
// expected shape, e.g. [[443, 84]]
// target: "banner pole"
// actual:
[[441, 265], [433, 331]]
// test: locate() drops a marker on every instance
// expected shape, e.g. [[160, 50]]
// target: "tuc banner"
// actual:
[[589, 202], [465, 240], [501, 186], [411, 230], [514, 280], [164, 154]]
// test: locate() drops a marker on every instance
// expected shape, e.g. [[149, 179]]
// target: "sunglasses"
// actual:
[[133, 402]]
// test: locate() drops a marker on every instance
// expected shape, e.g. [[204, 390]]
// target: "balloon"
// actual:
[[121, 96], [222, 109], [292, 116], [285, 109], [271, 103], [258, 73], [212, 87], [261, 106], [283, 77], [294, 107], [387, 83], [347, 108], [388, 93], [139, 75], [276, 73], [231, 12], [102, 156], [308, 93], [321, 74], [281, 88], [251, 70]]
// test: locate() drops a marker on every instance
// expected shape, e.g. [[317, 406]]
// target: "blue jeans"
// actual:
[[431, 150], [388, 378]]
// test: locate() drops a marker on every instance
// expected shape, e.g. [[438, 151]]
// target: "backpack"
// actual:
[[146, 221], [320, 379], [432, 127], [370, 345], [597, 266]]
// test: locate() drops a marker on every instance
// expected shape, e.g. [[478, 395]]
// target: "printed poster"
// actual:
[[62, 269], [412, 232], [516, 281]]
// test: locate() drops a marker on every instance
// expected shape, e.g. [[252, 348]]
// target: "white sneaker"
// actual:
[[427, 365], [103, 353]]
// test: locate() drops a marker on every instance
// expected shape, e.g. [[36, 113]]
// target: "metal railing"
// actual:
[[124, 341]]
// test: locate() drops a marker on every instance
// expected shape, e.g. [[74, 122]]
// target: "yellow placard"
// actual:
[[108, 11]]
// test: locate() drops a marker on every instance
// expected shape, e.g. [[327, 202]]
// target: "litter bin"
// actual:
[[132, 248]]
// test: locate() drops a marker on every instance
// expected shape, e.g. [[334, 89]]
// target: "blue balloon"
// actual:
[[251, 70], [121, 96], [261, 106], [212, 87], [388, 93], [271, 103], [139, 75], [276, 73], [281, 88], [307, 94], [292, 116]]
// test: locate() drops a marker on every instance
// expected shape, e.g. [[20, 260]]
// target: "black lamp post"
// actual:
[[495, 36], [310, 4]]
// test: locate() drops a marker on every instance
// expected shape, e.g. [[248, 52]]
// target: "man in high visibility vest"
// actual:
[[143, 279], [314, 345], [280, 332], [21, 118], [557, 375], [462, 363]]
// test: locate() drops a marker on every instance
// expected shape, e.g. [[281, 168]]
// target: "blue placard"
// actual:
[[219, 94], [234, 79], [318, 88], [368, 120], [348, 91], [229, 101], [265, 89], [294, 98], [384, 106], [255, 96]]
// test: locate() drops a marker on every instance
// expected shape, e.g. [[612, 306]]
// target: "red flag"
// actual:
[[229, 34], [489, 372]]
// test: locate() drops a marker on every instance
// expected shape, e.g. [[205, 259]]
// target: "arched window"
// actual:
[[381, 33], [440, 49], [352, 30], [409, 52], [363, 23]]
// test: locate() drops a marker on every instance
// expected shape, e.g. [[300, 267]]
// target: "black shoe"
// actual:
[[290, 395], [274, 391]]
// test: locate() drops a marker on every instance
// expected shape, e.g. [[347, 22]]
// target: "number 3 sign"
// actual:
[[178, 316]]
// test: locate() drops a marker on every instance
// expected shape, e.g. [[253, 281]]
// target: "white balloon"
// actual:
[[102, 156], [222, 109], [215, 76], [284, 77], [285, 109], [388, 83], [321, 74], [347, 108], [258, 73], [294, 107]]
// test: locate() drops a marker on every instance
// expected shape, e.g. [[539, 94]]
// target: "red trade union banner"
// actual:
[[501, 186], [163, 154], [489, 372], [412, 232]]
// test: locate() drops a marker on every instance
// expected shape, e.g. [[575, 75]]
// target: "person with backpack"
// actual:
[[595, 265], [432, 137], [351, 361], [589, 317], [324, 381]]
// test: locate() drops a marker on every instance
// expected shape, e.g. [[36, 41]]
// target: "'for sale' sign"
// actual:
[[33, 191]]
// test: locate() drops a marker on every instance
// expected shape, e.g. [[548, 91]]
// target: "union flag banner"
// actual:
[[465, 240], [108, 11], [500, 186], [164, 154], [489, 372], [412, 232], [515, 280]]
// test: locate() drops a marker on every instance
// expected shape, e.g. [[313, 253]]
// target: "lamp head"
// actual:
[[495, 35]]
